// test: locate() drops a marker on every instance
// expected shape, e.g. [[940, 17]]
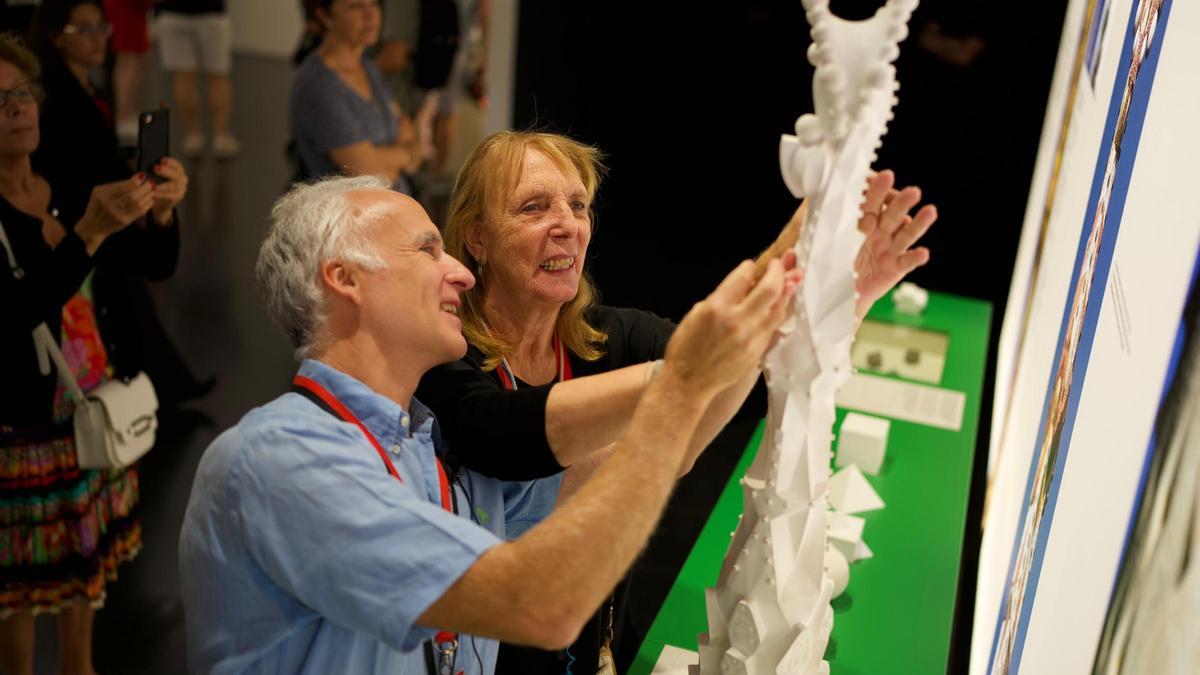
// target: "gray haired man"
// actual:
[[323, 532]]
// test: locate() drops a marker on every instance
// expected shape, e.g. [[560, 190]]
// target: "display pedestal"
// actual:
[[897, 614]]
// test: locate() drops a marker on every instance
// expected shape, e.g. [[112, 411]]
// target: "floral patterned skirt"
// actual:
[[63, 530]]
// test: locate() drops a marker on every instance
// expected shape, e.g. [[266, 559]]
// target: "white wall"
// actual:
[[266, 27], [502, 65]]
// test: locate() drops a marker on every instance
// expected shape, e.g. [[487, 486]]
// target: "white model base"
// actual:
[[862, 442]]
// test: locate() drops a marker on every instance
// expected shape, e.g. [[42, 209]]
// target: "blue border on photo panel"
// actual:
[[1124, 169]]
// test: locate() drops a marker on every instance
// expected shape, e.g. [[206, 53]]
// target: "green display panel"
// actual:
[[896, 614]]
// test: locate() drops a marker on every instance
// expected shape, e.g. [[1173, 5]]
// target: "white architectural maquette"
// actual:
[[770, 612]]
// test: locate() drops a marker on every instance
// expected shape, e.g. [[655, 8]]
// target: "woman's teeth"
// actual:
[[560, 264], [447, 307]]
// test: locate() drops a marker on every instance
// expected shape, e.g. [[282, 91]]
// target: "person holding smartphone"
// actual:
[[66, 530], [79, 150]]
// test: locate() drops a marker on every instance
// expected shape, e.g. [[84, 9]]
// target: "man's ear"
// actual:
[[342, 279], [474, 242]]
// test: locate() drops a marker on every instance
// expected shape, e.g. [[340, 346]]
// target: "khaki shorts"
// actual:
[[195, 42]]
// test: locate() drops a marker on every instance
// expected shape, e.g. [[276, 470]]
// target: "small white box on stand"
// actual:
[[862, 442], [910, 298]]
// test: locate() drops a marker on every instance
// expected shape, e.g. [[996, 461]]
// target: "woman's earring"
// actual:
[[479, 276]]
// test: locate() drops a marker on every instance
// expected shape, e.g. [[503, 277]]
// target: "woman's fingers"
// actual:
[[911, 260], [914, 228], [169, 169], [898, 208], [877, 189]]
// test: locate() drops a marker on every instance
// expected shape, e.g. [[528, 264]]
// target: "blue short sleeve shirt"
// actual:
[[300, 553]]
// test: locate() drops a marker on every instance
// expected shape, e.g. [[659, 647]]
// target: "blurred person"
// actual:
[[70, 39], [196, 36], [79, 148], [449, 63], [65, 530], [343, 117], [325, 535], [397, 35], [131, 44], [551, 377]]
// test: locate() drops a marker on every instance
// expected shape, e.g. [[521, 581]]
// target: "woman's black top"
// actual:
[[51, 276], [502, 433]]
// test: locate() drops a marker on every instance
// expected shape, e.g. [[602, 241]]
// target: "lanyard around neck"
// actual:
[[444, 641], [509, 381], [314, 392]]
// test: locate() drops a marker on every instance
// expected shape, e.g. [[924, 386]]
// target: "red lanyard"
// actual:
[[313, 391], [330, 404], [509, 381]]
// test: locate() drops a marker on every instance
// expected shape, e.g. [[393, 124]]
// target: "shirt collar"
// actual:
[[382, 416]]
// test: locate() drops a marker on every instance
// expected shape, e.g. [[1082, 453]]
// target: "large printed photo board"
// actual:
[[1090, 344]]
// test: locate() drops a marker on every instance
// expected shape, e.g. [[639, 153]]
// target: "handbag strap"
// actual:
[[17, 272], [46, 345], [43, 340]]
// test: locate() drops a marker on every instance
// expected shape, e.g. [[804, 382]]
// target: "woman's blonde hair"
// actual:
[[481, 190]]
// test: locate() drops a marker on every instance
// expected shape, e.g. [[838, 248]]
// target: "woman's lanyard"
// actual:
[[509, 381], [444, 643]]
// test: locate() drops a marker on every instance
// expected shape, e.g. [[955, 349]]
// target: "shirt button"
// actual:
[[396, 449], [404, 421]]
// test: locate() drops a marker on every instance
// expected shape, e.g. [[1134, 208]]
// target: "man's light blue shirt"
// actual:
[[300, 553]]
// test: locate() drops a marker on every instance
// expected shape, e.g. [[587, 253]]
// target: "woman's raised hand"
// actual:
[[113, 207], [888, 253], [169, 192]]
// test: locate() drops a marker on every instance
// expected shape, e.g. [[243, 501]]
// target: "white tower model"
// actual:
[[770, 612]]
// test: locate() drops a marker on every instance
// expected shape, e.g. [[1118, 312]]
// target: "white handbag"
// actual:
[[115, 423]]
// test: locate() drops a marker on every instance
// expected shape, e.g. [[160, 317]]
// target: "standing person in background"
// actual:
[[196, 35], [131, 43], [70, 38], [343, 117], [65, 530], [78, 148], [441, 65]]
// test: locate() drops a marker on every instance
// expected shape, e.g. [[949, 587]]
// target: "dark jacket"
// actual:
[[78, 148], [78, 151], [50, 277]]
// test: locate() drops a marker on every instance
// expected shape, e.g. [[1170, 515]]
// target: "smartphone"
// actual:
[[154, 138]]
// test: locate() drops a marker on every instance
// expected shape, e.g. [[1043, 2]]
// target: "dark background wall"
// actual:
[[688, 103]]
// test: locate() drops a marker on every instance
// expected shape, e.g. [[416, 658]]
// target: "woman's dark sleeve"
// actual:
[[644, 337], [488, 429], [150, 252], [44, 289], [636, 335]]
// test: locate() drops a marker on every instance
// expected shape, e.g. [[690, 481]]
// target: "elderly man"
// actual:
[[324, 535]]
